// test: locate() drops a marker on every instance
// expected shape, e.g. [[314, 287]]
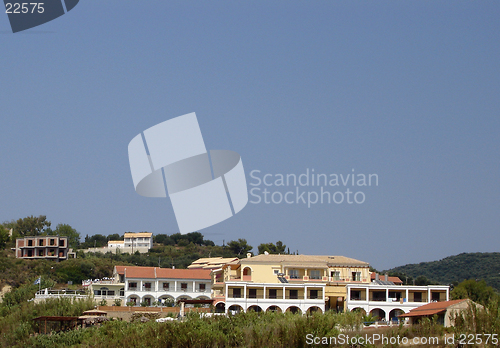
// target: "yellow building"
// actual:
[[335, 272]]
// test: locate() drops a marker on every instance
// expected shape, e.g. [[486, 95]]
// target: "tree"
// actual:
[[271, 248], [115, 236], [31, 226], [67, 231], [477, 291], [239, 247], [97, 240], [4, 237]]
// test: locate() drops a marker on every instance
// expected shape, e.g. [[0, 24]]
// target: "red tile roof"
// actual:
[[395, 280], [163, 273], [431, 308]]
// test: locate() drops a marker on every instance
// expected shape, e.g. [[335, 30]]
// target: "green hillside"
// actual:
[[455, 269]]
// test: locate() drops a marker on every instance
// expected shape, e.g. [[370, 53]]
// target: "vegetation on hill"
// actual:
[[455, 269]]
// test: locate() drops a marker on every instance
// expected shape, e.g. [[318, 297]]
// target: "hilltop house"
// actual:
[[43, 247]]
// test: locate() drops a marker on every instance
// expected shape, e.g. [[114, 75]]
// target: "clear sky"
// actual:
[[408, 90]]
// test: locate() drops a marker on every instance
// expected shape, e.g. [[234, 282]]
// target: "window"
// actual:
[[97, 292], [40, 242], [294, 274], [147, 286], [356, 276], [237, 293], [111, 292], [335, 275], [202, 287], [166, 286], [61, 242], [52, 242], [40, 252], [313, 294], [294, 294], [252, 293], [315, 274], [272, 293], [355, 295], [435, 296], [184, 286], [30, 242], [395, 294], [417, 297], [276, 271], [122, 292], [379, 296], [132, 286]]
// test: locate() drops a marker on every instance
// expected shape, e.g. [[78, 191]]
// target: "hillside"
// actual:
[[455, 269]]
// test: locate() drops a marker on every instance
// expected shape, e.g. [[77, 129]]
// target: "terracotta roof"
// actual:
[[138, 234], [431, 308], [330, 261], [395, 280], [163, 273]]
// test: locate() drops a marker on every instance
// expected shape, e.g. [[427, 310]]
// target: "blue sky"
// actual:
[[407, 90]]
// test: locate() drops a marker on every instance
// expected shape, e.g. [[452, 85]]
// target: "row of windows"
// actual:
[[107, 292], [317, 274], [52, 242], [165, 286], [381, 295], [273, 293]]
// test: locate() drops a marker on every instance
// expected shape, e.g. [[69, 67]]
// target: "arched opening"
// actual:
[[220, 307], [359, 310], [254, 308], [275, 309], [166, 301], [378, 314], [314, 309], [147, 301], [294, 310], [394, 314], [247, 273], [184, 297], [202, 298], [133, 300], [235, 309]]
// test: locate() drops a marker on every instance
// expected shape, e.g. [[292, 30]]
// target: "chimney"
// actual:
[[173, 267], [266, 253], [249, 255], [376, 276], [386, 277]]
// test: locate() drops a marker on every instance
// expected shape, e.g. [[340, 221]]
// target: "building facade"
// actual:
[[138, 241], [264, 297], [153, 285], [330, 274], [43, 247], [388, 301]]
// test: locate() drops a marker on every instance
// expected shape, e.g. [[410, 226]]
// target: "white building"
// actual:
[[153, 284], [116, 244], [138, 241], [387, 301], [286, 297]]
